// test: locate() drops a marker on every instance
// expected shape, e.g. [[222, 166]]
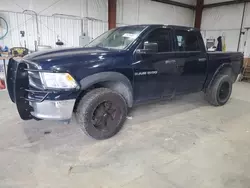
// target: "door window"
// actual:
[[162, 37], [187, 41]]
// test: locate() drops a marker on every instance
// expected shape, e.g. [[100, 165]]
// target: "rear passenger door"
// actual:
[[191, 61]]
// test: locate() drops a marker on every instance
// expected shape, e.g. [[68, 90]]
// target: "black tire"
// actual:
[[220, 90], [101, 113]]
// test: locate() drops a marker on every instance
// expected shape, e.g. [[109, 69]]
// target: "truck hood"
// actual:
[[78, 61], [66, 53]]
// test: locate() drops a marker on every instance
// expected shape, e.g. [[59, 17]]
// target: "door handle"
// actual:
[[170, 61], [202, 59]]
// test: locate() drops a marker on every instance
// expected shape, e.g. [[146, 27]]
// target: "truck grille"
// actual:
[[17, 83], [34, 88], [11, 78], [24, 86], [34, 76]]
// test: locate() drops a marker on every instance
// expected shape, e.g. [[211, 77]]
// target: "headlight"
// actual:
[[58, 80]]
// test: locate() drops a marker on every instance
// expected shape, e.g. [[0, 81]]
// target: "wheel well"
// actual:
[[228, 71], [117, 86], [223, 70]]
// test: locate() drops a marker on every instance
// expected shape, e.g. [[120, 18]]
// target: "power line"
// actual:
[[32, 15], [17, 5], [50, 6]]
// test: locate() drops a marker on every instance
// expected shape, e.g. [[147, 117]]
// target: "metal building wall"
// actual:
[[150, 12], [82, 8], [226, 21], [246, 27], [53, 28], [223, 21], [56, 20], [49, 29], [19, 22]]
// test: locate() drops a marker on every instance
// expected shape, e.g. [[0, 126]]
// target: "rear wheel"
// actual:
[[101, 113], [220, 90]]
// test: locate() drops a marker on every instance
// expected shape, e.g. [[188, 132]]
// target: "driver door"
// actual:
[[154, 71]]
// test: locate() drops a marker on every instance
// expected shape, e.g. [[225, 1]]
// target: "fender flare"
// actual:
[[114, 80], [218, 70]]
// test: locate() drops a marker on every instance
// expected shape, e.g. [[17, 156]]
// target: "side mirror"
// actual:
[[149, 48]]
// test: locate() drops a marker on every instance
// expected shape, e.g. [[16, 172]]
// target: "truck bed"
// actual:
[[224, 55], [218, 59]]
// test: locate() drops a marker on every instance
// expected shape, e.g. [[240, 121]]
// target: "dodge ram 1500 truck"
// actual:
[[122, 67]]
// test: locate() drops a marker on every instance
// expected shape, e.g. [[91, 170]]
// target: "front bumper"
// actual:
[[34, 102], [53, 110]]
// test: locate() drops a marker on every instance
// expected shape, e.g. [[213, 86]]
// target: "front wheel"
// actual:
[[220, 90], [101, 113]]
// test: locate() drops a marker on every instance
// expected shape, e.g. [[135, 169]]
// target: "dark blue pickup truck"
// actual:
[[122, 67]]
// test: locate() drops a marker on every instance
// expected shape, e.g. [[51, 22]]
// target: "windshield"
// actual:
[[118, 38]]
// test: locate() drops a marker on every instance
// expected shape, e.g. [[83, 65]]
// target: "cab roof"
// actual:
[[162, 25]]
